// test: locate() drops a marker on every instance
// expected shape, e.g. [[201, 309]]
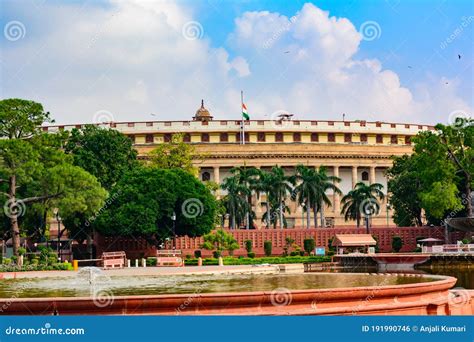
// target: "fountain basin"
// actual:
[[430, 297]]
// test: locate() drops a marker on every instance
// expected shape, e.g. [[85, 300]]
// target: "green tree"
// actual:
[[281, 188], [397, 244], [361, 200], [35, 170], [264, 186], [267, 247], [145, 199], [248, 178], [309, 245], [220, 241], [105, 153], [175, 154], [235, 201]]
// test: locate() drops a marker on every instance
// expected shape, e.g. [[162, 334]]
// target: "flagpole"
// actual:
[[241, 109]]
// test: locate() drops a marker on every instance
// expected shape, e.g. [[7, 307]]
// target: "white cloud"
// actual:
[[131, 58]]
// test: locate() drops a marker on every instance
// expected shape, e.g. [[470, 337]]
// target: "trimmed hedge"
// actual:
[[265, 260], [36, 267]]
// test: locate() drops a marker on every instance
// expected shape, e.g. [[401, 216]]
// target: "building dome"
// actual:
[[202, 114]]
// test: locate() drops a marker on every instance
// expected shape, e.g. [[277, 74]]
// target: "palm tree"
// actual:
[[235, 201], [264, 186], [305, 189], [323, 182], [281, 187], [247, 177], [361, 199]]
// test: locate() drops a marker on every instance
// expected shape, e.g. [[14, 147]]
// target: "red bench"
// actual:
[[169, 258], [113, 259]]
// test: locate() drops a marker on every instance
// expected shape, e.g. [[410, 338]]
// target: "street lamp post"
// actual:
[[173, 218], [58, 219], [388, 208]]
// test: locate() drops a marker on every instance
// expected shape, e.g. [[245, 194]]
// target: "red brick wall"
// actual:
[[136, 248]]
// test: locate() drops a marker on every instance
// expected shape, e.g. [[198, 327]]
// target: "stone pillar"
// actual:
[[336, 197], [216, 174], [372, 175], [354, 176]]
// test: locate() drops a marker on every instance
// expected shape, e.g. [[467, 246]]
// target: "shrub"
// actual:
[[21, 251], [151, 261], [301, 253], [248, 245], [294, 253], [188, 256], [251, 255], [309, 245], [397, 243], [197, 253], [7, 261], [216, 254], [267, 246]]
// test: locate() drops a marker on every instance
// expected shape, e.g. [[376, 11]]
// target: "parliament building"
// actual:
[[354, 151]]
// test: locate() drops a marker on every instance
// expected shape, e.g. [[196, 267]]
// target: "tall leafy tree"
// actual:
[[35, 170], [361, 199], [281, 188], [264, 186], [323, 182], [145, 199], [105, 153]]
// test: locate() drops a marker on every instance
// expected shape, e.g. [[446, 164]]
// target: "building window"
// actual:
[[296, 137], [331, 137], [223, 123], [393, 125], [167, 137], [314, 137], [378, 124], [420, 127], [206, 176], [205, 123], [296, 123], [131, 124], [407, 140], [407, 126], [167, 123], [260, 122], [363, 123], [331, 123], [365, 176], [279, 137], [205, 137], [224, 137], [379, 139], [186, 137], [393, 139], [132, 138], [314, 123], [149, 138], [261, 137], [347, 137], [149, 124], [347, 123], [363, 138], [237, 137]]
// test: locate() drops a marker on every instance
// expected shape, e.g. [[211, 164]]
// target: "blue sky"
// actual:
[[130, 59]]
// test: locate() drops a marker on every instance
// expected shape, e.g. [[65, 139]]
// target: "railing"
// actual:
[[462, 248]]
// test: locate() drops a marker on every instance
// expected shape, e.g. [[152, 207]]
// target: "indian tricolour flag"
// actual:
[[245, 113]]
